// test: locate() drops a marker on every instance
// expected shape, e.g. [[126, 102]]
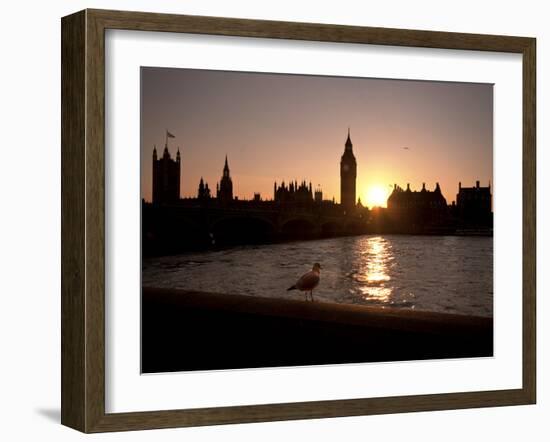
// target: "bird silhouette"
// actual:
[[308, 281]]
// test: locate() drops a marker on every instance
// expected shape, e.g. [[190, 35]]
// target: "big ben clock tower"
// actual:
[[348, 175]]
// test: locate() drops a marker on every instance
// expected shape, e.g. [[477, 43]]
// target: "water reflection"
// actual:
[[446, 274], [375, 256]]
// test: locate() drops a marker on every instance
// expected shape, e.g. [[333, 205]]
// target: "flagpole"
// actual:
[[168, 135]]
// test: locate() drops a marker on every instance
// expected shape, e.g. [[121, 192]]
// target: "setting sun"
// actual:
[[377, 196]]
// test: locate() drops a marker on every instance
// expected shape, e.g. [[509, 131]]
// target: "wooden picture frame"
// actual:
[[83, 220]]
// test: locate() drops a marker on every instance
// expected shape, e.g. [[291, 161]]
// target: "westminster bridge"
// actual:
[[191, 225]]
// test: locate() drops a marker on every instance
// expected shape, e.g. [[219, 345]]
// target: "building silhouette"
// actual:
[[474, 206], [224, 190], [318, 194], [417, 211], [204, 191], [423, 199], [294, 193], [166, 177], [297, 211], [348, 176]]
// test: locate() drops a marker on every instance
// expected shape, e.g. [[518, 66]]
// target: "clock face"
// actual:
[[345, 167]]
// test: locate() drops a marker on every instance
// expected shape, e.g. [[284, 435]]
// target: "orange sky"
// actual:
[[277, 127]]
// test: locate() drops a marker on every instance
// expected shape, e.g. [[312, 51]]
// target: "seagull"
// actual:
[[308, 281]]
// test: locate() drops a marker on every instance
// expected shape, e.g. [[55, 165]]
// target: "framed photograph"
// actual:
[[270, 220]]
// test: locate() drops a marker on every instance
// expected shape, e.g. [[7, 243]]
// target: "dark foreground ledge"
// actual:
[[183, 330]]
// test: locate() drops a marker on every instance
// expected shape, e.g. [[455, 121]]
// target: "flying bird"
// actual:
[[406, 148], [308, 281]]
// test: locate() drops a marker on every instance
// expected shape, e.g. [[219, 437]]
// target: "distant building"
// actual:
[[318, 195], [348, 176], [224, 190], [474, 206], [293, 193], [417, 211], [423, 199], [204, 191], [166, 177]]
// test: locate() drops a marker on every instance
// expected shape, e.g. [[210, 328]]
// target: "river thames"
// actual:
[[449, 274]]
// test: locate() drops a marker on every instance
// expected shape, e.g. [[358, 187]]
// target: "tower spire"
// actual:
[[225, 189], [348, 176], [226, 167], [349, 144]]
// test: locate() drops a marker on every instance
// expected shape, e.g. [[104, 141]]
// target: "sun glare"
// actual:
[[377, 196]]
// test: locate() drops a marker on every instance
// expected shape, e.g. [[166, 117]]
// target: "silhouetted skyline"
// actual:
[[276, 127]]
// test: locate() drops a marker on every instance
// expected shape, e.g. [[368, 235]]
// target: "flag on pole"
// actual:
[[169, 135]]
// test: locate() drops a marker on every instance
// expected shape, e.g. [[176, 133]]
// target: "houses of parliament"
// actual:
[[298, 210], [167, 178]]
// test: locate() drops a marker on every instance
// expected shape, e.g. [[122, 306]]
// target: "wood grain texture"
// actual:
[[95, 222], [73, 110], [143, 21], [83, 219], [529, 220]]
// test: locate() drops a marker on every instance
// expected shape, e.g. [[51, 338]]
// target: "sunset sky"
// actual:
[[276, 127]]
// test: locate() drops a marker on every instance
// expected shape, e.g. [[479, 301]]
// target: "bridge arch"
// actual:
[[242, 229], [166, 234], [331, 228], [298, 228], [355, 227]]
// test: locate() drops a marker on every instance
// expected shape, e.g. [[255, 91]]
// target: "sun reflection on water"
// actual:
[[391, 271], [373, 274]]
